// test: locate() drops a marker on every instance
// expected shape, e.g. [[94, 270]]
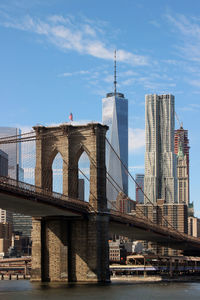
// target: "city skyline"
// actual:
[[63, 61]]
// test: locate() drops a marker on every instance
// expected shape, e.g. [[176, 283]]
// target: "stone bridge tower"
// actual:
[[72, 248]]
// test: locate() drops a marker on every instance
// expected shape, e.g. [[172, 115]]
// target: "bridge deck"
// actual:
[[31, 200]]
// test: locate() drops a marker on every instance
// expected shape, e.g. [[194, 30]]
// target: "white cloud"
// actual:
[[128, 73], [66, 34], [107, 110], [134, 168], [193, 107], [194, 82], [154, 23], [188, 37], [136, 139], [69, 74]]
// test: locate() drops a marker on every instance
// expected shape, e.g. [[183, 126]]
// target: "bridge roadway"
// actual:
[[30, 200]]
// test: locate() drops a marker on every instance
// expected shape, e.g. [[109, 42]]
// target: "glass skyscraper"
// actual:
[[115, 115], [139, 188], [13, 150], [21, 223]]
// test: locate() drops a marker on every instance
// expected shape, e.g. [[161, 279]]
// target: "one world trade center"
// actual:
[[115, 115]]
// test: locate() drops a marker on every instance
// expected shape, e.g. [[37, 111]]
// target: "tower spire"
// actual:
[[115, 75]]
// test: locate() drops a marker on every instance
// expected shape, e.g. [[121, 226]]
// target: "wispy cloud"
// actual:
[[69, 74], [192, 107], [188, 37], [154, 23], [194, 82], [68, 34], [134, 168], [136, 139]]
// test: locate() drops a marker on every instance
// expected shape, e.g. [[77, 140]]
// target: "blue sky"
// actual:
[[56, 57]]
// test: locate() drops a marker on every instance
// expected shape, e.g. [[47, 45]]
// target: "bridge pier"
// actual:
[[49, 250], [37, 246], [89, 255], [70, 250], [55, 258]]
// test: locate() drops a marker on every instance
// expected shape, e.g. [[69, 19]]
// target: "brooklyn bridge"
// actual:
[[70, 236]]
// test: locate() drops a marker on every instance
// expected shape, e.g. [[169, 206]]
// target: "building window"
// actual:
[[165, 210], [191, 227], [145, 211]]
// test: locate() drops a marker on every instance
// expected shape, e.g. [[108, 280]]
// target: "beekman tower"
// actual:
[[115, 115], [160, 180]]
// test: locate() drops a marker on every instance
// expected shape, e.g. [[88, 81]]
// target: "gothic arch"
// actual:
[[71, 141]]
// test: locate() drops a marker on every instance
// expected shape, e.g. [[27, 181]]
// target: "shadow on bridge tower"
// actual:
[[73, 248]]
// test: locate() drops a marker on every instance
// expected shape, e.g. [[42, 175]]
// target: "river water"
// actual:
[[21, 289]]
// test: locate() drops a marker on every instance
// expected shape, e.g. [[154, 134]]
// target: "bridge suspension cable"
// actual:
[[116, 187], [129, 174], [31, 137]]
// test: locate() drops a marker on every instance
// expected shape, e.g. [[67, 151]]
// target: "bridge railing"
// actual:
[[36, 190], [143, 222]]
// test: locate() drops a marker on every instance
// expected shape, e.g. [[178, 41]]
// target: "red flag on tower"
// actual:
[[71, 117]]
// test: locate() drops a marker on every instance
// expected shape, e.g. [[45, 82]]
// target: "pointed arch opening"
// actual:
[[84, 177], [57, 174]]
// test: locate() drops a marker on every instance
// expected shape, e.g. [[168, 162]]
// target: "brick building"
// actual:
[[165, 214], [181, 149], [124, 204], [5, 237], [117, 252]]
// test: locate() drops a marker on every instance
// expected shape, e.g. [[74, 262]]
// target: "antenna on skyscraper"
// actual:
[[115, 75]]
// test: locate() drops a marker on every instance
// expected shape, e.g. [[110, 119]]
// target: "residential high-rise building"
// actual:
[[115, 115], [160, 180], [139, 188], [181, 149], [124, 204]]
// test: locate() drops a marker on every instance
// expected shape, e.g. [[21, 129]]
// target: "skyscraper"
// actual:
[[21, 223], [115, 115], [181, 149], [160, 180], [139, 188], [13, 150], [5, 216]]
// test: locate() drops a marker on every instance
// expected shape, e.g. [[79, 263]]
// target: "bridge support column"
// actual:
[[36, 272], [89, 252], [56, 250], [50, 250]]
